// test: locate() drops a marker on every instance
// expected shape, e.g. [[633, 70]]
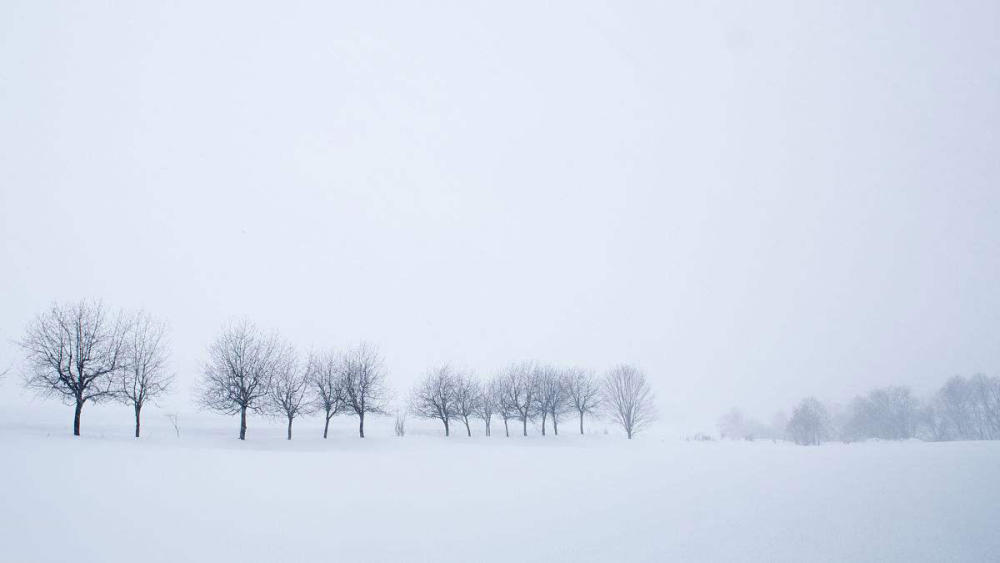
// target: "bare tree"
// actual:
[[143, 376], [363, 382], [519, 391], [241, 364], [628, 398], [328, 392], [550, 397], [486, 403], [288, 392], [584, 393], [434, 397], [503, 396], [559, 399], [74, 352], [467, 393], [810, 423]]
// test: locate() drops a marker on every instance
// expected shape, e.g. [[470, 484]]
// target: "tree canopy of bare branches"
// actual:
[[583, 393], [550, 396], [143, 376], [487, 403], [288, 393], [241, 365], [363, 380], [467, 391], [74, 352], [628, 398], [434, 397], [519, 391], [327, 384], [504, 397]]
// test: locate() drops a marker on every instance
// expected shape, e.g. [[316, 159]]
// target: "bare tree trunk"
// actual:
[[137, 409], [543, 423], [76, 417], [487, 428], [361, 425], [506, 430], [555, 425], [289, 428], [243, 423], [447, 429], [581, 423], [467, 429], [524, 421], [326, 427]]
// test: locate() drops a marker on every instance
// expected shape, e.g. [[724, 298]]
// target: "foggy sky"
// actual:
[[753, 202]]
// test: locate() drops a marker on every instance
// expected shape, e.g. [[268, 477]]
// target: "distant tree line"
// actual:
[[529, 391], [86, 353], [964, 408]]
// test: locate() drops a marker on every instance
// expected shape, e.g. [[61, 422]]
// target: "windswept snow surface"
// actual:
[[426, 498]]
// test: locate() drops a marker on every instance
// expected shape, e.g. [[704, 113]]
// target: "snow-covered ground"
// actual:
[[208, 497]]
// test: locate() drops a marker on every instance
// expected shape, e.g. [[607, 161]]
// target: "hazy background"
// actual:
[[752, 201]]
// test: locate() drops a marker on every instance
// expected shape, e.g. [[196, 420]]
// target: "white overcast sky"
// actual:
[[752, 201]]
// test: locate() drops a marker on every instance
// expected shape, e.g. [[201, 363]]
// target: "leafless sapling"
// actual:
[[628, 398], [74, 352], [289, 389], [143, 376]]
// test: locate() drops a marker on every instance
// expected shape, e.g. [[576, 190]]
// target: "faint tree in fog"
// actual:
[[241, 364], [288, 393], [74, 352], [810, 423], [733, 425], [583, 393], [363, 381], [891, 413], [519, 391], [172, 417], [467, 391], [399, 426], [486, 403], [628, 399], [143, 375], [328, 393], [969, 408], [434, 397]]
